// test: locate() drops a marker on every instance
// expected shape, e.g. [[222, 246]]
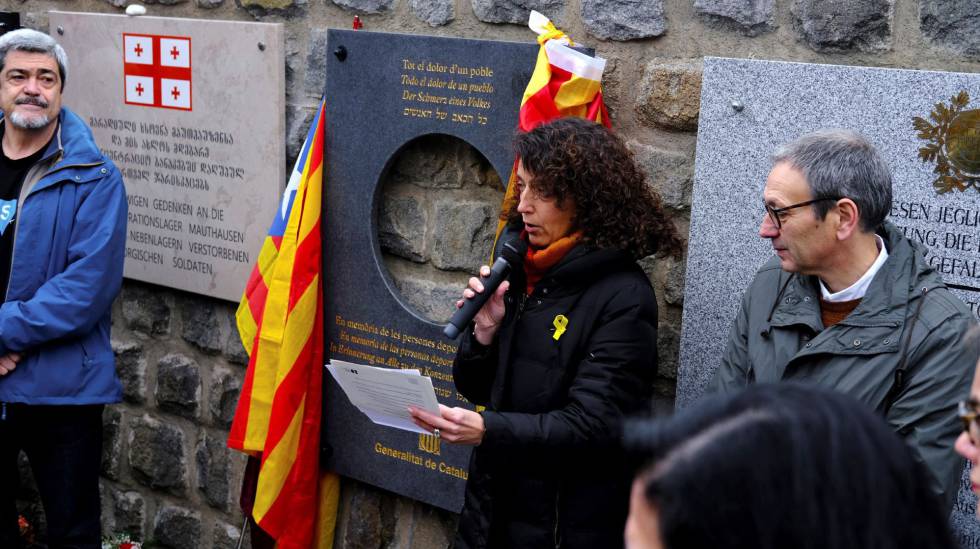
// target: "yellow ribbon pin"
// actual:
[[559, 323]]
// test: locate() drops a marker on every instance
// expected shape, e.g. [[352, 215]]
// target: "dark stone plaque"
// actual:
[[383, 91]]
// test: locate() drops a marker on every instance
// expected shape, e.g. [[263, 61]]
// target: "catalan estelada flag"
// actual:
[[565, 82], [280, 323]]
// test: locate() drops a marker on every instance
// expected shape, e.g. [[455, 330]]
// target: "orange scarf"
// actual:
[[537, 262]]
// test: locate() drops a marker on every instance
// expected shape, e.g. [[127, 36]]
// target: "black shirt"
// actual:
[[12, 173]]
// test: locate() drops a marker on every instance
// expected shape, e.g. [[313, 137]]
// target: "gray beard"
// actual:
[[29, 122]]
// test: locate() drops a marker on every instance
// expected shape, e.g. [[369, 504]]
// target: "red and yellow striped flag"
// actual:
[[280, 323], [565, 82]]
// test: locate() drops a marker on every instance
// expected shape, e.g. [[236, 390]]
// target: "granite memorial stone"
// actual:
[[748, 108], [197, 134], [383, 91]]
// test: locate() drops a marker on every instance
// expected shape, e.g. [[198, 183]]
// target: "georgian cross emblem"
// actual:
[[157, 71]]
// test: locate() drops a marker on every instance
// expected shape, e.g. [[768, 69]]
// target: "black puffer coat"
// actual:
[[549, 472]]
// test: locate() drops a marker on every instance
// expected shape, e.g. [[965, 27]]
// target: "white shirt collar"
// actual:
[[859, 288]]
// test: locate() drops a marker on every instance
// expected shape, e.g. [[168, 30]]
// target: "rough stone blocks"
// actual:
[[178, 385], [515, 11], [177, 527], [213, 470], [131, 368], [750, 17], [434, 12], [624, 19], [833, 26], [670, 95], [156, 454], [954, 24]]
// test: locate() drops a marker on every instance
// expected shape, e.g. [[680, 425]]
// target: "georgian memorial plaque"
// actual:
[[192, 113], [384, 90], [748, 108]]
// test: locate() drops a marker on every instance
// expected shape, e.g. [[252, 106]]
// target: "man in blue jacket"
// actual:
[[62, 243]]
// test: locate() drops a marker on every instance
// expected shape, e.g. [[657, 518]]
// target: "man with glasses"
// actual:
[[968, 443], [850, 303]]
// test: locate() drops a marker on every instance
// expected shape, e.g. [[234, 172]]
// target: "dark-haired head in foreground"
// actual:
[[780, 466]]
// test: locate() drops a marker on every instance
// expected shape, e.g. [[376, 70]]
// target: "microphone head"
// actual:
[[514, 251]]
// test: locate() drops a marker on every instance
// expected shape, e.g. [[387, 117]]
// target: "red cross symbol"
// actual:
[[157, 71]]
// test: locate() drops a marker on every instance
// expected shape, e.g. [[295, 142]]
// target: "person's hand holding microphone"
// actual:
[[483, 299], [482, 303]]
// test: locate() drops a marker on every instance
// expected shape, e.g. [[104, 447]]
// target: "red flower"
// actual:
[[26, 530]]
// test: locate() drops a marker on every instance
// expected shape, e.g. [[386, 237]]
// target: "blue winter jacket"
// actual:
[[67, 268]]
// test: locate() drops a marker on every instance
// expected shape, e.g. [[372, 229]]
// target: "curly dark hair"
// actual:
[[575, 159]]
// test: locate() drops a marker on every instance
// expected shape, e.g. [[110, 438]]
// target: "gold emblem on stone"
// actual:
[[954, 144], [429, 443]]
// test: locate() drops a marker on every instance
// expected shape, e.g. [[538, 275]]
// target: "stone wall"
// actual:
[[168, 476], [437, 221]]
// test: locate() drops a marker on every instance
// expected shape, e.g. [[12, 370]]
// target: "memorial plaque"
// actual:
[[191, 112], [384, 90], [748, 108]]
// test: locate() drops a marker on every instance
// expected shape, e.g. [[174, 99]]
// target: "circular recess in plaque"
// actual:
[[436, 214]]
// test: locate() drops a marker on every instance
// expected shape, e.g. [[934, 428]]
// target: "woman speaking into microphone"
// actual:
[[562, 350]]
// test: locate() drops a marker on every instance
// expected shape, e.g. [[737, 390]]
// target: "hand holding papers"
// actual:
[[384, 394]]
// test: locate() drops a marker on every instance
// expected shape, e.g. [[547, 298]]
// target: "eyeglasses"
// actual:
[[967, 412], [774, 213]]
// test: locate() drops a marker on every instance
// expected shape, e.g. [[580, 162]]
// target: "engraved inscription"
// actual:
[[383, 346], [189, 237], [457, 94], [950, 233]]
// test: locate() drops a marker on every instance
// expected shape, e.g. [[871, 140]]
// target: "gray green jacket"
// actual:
[[907, 315]]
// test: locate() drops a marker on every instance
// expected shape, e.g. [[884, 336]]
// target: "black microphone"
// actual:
[[511, 255]]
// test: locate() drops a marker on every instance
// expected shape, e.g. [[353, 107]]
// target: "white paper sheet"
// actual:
[[384, 394]]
